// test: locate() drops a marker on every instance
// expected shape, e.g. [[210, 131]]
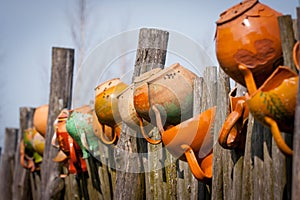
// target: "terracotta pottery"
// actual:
[[40, 119], [80, 126], [191, 141], [127, 111], [296, 54], [106, 106], [171, 90], [67, 145], [233, 131], [273, 104], [248, 34], [31, 149]]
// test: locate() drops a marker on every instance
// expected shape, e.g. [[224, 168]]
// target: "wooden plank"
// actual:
[[21, 187], [296, 142], [60, 97], [151, 53], [7, 164], [220, 173], [287, 39]]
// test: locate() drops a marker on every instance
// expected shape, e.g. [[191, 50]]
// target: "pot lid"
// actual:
[[236, 11]]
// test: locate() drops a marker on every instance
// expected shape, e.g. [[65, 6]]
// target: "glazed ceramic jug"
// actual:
[[233, 131], [191, 141], [106, 106], [273, 104], [40, 118], [248, 34], [80, 127], [69, 149], [32, 148], [171, 90]]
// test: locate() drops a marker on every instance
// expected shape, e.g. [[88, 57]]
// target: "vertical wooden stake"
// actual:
[[296, 144], [7, 165], [21, 187], [151, 53], [60, 97]]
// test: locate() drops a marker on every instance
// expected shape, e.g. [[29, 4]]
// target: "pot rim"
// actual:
[[236, 11]]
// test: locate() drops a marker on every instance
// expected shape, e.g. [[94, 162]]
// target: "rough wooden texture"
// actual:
[[287, 39], [151, 54], [296, 142], [60, 97], [220, 171], [7, 164], [21, 187]]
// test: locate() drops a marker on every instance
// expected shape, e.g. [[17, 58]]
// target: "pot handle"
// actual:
[[54, 141], [104, 140], [295, 55], [151, 141], [284, 148], [199, 173], [248, 76], [228, 125]]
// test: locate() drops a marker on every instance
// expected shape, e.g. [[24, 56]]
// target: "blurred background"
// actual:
[[103, 31]]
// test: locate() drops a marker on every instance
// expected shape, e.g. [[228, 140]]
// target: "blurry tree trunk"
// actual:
[[130, 180], [7, 165], [60, 97]]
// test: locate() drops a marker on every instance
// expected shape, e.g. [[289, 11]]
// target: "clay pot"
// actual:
[[171, 90], [106, 106], [233, 131], [34, 144], [248, 34], [296, 55], [40, 119], [80, 127], [273, 104], [69, 149], [192, 141]]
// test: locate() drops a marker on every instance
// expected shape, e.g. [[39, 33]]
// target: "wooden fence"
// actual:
[[261, 171]]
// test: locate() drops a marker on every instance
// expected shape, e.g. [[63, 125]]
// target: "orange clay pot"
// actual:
[[191, 141], [248, 34], [273, 104], [106, 106], [233, 131], [40, 119], [171, 90]]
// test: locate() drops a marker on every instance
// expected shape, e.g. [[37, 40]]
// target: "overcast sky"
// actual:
[[29, 29]]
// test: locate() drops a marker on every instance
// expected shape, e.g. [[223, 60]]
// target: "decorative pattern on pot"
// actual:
[[31, 149], [191, 141], [69, 150], [233, 132], [106, 107], [40, 119], [273, 104], [248, 34], [80, 126], [171, 91]]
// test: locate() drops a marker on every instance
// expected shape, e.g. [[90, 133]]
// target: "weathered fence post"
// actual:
[[296, 143], [60, 97], [21, 186], [7, 164], [151, 53], [219, 161]]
